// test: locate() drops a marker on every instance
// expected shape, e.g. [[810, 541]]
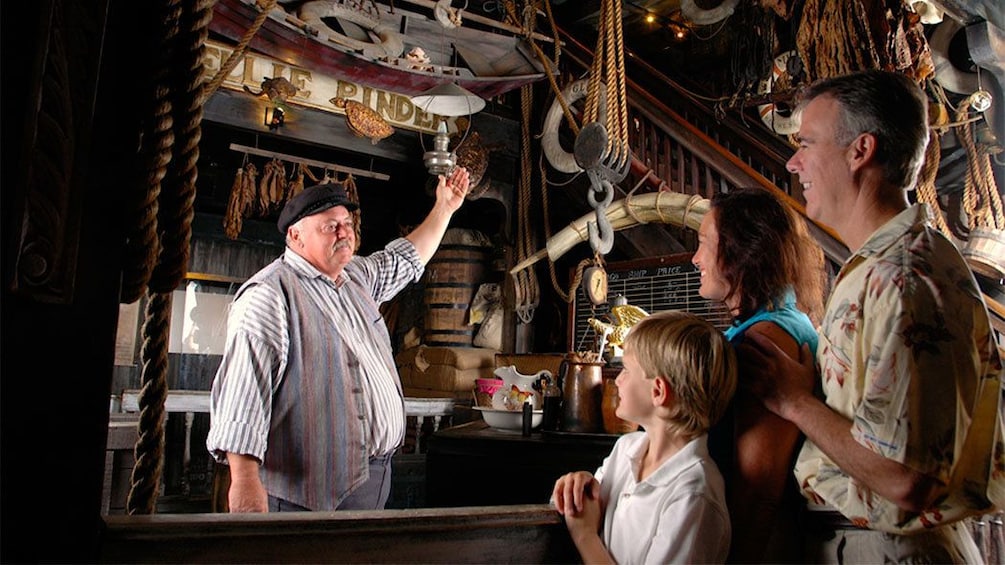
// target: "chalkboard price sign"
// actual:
[[669, 282]]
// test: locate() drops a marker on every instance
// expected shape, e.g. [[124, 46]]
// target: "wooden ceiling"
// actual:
[[727, 58], [705, 57]]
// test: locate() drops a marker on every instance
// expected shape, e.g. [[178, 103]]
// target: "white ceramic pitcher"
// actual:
[[516, 388]]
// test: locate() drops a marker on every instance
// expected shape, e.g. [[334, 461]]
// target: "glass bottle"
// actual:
[[552, 404]]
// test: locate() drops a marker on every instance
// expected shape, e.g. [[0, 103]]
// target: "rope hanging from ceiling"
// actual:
[[981, 200], [528, 293], [609, 68], [157, 249], [601, 149], [159, 242], [527, 290]]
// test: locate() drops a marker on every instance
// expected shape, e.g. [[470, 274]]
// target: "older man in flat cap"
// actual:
[[307, 407]]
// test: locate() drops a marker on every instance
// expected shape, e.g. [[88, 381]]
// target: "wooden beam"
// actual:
[[177, 401], [532, 533], [309, 162]]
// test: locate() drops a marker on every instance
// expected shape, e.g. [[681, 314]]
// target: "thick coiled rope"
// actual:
[[178, 97], [981, 200], [926, 183], [149, 448], [154, 151]]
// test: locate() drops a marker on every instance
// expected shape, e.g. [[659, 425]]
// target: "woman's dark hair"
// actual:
[[765, 248]]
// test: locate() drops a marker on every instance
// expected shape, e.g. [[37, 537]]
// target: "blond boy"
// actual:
[[659, 497]]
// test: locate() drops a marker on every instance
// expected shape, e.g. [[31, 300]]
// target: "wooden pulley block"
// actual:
[[590, 145], [591, 153], [616, 170]]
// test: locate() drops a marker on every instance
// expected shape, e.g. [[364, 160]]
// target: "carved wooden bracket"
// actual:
[[54, 150]]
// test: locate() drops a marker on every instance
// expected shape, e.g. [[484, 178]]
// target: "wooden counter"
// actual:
[[475, 465], [498, 534]]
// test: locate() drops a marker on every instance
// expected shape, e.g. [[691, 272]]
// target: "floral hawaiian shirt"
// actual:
[[908, 354]]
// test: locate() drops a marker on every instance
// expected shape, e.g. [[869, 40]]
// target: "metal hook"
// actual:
[[601, 232]]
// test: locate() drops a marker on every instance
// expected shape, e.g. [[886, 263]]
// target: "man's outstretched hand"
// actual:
[[453, 187]]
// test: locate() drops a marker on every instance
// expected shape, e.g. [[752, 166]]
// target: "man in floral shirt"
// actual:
[[907, 441]]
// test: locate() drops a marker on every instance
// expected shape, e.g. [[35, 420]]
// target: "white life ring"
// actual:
[[778, 123], [928, 12], [387, 42], [699, 16], [946, 74], [562, 160], [447, 17]]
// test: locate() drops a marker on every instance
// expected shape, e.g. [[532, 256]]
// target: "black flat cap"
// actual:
[[312, 200]]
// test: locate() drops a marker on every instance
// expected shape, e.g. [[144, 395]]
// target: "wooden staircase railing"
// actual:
[[692, 151]]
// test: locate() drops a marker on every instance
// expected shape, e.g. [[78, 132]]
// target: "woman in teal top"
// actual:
[[756, 256], [787, 316]]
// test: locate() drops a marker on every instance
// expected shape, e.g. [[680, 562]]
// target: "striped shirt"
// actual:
[[307, 383]]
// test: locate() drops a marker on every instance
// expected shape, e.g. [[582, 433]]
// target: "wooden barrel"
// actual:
[[453, 276], [985, 252]]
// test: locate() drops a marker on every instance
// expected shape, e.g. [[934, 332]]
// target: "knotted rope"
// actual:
[[514, 19], [981, 200]]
